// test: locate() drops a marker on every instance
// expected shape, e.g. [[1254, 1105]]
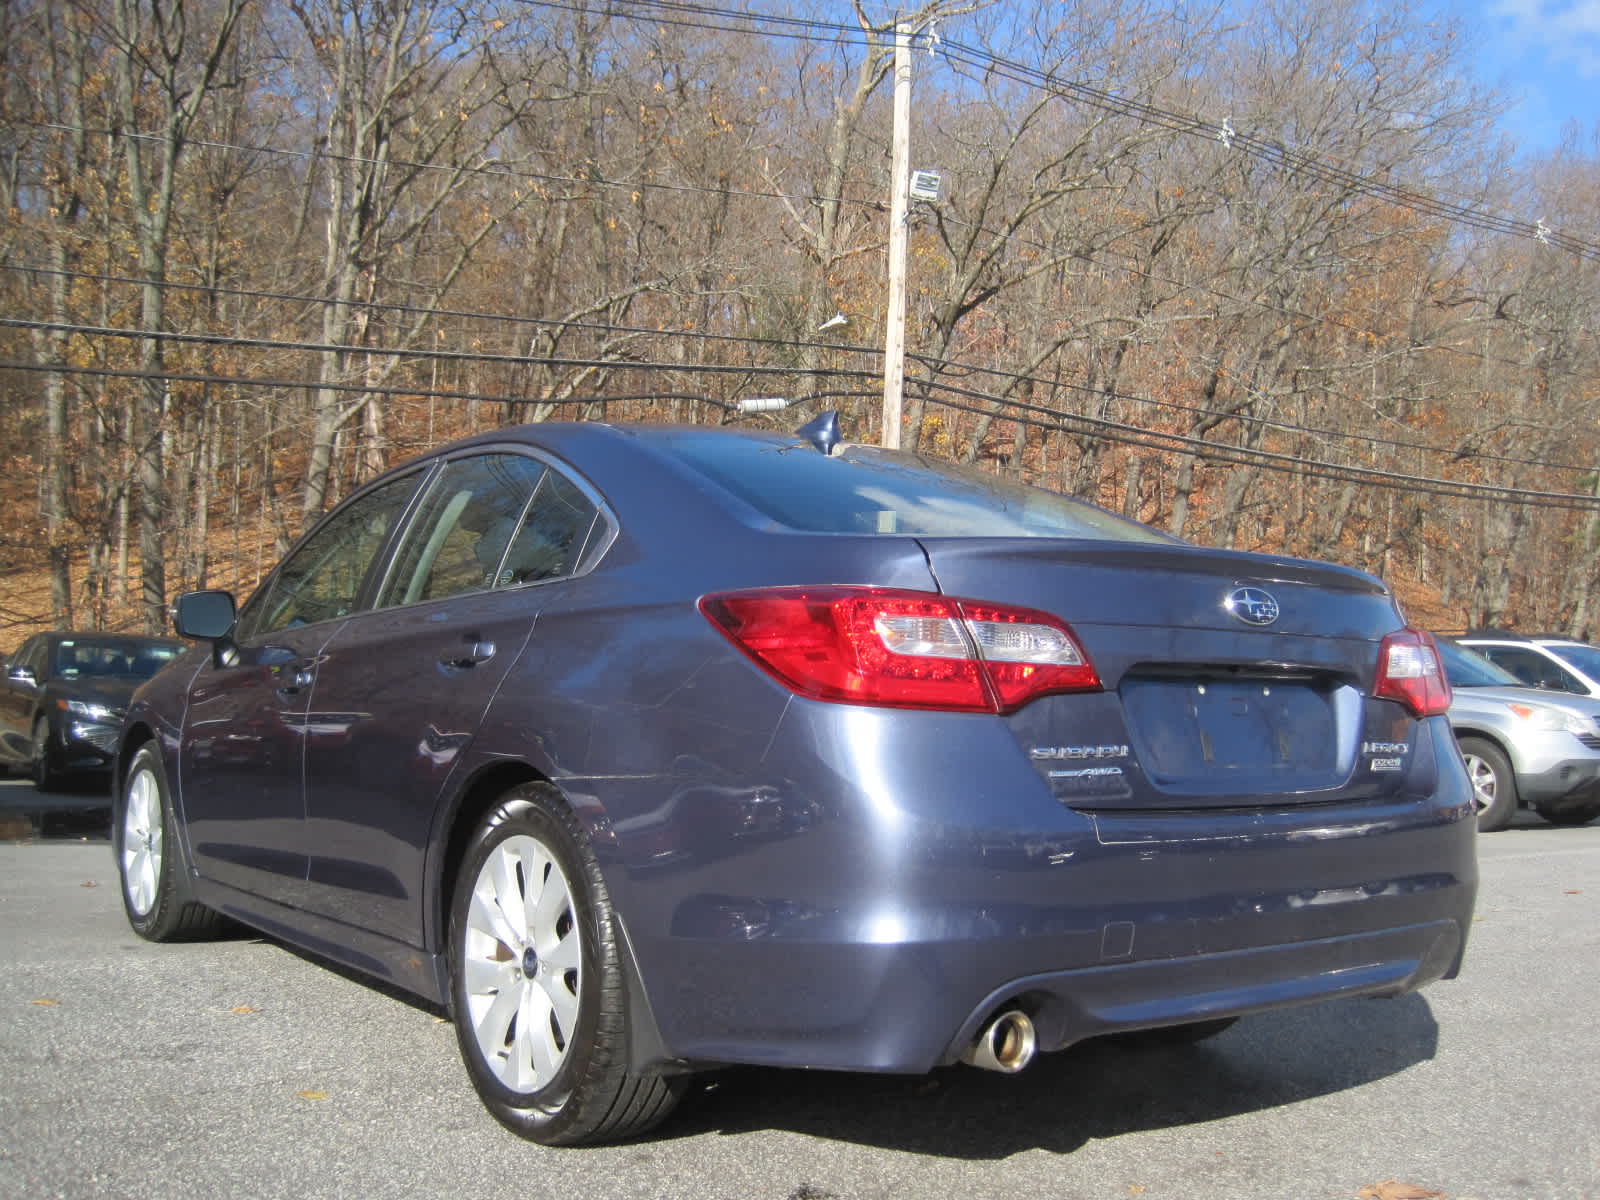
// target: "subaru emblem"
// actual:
[[1252, 605]]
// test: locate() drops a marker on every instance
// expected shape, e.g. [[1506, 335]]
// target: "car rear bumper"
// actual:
[[827, 943], [908, 1009]]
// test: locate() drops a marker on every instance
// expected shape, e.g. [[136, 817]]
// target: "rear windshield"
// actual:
[[865, 489]]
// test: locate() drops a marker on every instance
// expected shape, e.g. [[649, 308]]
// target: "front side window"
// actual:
[[322, 579], [1584, 658]]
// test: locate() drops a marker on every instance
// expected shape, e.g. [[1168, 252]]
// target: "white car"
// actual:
[[1523, 746]]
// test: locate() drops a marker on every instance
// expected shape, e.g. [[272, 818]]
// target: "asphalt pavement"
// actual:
[[243, 1069]]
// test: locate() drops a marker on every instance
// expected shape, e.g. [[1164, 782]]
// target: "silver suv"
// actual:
[[1548, 663], [1523, 746]]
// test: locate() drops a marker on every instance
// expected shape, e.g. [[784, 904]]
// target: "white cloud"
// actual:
[[1567, 33]]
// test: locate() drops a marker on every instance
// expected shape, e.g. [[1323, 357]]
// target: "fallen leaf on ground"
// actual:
[[47, 1003], [309, 1095], [1393, 1189], [89, 883], [1573, 892], [243, 1008]]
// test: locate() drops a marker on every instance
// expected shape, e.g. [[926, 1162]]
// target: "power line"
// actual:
[[1273, 153], [1218, 294], [411, 352], [1454, 453], [377, 389], [1066, 422], [504, 171], [428, 310], [1134, 435], [1255, 146], [927, 361]]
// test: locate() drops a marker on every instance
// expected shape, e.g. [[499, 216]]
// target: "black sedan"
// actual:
[[64, 697], [646, 750]]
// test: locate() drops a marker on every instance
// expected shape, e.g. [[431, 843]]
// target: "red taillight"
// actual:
[[1409, 671], [903, 649]]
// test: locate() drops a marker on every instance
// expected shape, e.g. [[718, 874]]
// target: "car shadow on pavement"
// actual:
[[1097, 1089]]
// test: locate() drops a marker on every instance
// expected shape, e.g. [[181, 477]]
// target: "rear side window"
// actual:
[[863, 489], [1467, 668], [559, 525], [1532, 668], [463, 528], [491, 521]]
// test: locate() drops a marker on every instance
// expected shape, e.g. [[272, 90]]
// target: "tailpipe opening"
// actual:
[[1006, 1044]]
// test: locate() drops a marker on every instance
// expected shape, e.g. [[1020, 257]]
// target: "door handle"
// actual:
[[301, 678], [477, 651]]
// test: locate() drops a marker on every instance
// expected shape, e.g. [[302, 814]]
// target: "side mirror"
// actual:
[[23, 675], [208, 617]]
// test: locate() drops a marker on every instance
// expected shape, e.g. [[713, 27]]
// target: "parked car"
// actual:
[[1522, 746], [1550, 663], [64, 697], [649, 749]]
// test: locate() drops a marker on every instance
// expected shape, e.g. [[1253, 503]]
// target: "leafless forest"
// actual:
[[1261, 275]]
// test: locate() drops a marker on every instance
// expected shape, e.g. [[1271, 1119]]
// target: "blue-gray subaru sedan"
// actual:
[[646, 750]]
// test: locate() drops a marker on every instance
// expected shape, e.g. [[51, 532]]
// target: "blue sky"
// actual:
[[1545, 56]]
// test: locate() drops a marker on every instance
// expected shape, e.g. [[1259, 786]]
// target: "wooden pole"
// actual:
[[894, 337]]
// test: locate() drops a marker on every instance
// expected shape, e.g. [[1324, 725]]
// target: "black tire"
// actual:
[[155, 882], [45, 777], [1572, 814], [1494, 788], [561, 965]]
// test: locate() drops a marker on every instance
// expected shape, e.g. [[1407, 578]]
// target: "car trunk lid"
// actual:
[[1228, 678]]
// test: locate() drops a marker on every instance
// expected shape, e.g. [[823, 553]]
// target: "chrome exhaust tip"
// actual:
[[1007, 1044]]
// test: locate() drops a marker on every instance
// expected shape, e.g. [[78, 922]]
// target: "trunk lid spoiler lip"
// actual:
[[1241, 565]]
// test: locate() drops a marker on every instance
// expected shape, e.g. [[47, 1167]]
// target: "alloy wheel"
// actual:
[[142, 841], [522, 964], [1485, 783]]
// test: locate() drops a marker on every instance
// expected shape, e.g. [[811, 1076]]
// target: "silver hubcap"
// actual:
[[522, 964], [1484, 782], [141, 841]]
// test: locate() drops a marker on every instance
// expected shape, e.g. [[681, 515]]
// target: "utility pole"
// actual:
[[894, 337]]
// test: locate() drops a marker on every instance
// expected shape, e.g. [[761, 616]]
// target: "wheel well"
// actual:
[[1481, 736], [133, 737], [479, 796]]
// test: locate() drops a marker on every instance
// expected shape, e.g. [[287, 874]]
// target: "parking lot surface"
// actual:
[[244, 1069]]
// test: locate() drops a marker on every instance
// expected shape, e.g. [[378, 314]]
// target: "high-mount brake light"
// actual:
[[903, 649], [1410, 671]]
